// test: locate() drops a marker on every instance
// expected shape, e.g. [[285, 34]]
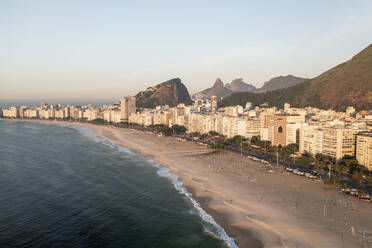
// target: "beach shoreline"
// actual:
[[256, 207]]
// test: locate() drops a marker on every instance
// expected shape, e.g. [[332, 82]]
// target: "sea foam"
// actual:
[[211, 225]]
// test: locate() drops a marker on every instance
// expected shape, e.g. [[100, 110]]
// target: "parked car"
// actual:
[[366, 196], [354, 192]]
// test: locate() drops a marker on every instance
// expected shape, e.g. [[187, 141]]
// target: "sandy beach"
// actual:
[[256, 206]]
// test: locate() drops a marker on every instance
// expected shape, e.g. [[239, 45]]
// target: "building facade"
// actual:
[[364, 149]]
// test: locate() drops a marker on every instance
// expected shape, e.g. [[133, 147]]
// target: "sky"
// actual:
[[75, 50]]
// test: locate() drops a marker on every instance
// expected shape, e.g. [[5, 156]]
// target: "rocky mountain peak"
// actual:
[[171, 92], [218, 83]]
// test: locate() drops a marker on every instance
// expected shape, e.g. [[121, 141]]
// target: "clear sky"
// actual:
[[103, 50]]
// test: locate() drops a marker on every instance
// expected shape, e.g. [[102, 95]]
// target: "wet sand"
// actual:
[[258, 208]]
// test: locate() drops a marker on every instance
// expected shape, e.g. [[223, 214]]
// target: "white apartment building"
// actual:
[[332, 141], [59, 114], [11, 112], [90, 114], [113, 116], [317, 145], [252, 128], [145, 118], [306, 140], [338, 142], [364, 149], [293, 133], [264, 133], [161, 117]]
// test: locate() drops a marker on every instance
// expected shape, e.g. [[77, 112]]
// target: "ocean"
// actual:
[[62, 186]]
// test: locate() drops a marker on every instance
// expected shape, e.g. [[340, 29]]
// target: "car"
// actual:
[[354, 192], [345, 190], [366, 196]]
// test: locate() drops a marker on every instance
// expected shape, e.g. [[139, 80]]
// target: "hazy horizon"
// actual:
[[81, 51]]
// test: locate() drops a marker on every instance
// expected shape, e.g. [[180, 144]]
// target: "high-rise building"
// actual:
[[293, 133], [214, 103], [14, 112], [279, 130], [364, 149], [127, 107], [338, 142]]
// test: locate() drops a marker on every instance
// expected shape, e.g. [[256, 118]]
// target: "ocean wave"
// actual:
[[211, 225], [207, 218]]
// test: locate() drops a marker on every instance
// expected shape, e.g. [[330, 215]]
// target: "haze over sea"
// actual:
[[62, 186]]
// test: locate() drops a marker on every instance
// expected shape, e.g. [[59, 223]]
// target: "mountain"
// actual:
[[237, 85], [281, 83], [348, 84], [170, 93], [218, 90]]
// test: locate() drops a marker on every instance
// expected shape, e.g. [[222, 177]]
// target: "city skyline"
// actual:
[[78, 52]]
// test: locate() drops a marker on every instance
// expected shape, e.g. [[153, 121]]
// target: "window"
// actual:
[[280, 129]]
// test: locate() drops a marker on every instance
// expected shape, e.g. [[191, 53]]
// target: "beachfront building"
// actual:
[[11, 112], [338, 141], [91, 114], [144, 118], [75, 113], [31, 113], [280, 129], [334, 141], [293, 133], [60, 114], [177, 114], [22, 111], [112, 115], [364, 149], [251, 127], [306, 138], [161, 117], [127, 107]]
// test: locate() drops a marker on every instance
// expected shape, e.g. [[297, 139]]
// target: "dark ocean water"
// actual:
[[62, 186]]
